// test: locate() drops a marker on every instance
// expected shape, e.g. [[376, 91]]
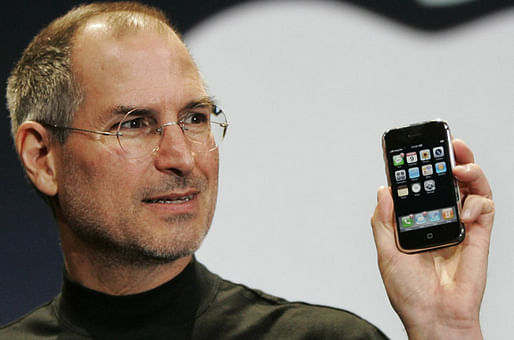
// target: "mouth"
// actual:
[[172, 199]]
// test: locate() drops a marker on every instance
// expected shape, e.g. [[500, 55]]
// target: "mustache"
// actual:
[[175, 183]]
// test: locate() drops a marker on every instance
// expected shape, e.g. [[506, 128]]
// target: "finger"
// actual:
[[382, 221], [472, 180], [476, 208], [463, 154]]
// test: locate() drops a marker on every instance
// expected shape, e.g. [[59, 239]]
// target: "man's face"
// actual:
[[157, 207]]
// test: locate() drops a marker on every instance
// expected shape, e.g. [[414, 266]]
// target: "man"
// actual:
[[116, 131]]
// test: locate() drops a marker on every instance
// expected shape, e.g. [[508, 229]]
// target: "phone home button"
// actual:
[[430, 236]]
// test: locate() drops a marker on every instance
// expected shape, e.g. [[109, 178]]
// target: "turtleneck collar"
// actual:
[[174, 303]]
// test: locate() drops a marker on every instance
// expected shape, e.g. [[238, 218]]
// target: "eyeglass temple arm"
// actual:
[[105, 133]]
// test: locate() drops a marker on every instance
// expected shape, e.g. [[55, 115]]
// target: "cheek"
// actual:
[[100, 175], [208, 165], [123, 180]]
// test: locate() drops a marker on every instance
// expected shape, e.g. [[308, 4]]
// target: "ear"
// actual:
[[37, 152]]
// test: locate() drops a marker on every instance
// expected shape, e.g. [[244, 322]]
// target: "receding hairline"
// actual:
[[119, 23]]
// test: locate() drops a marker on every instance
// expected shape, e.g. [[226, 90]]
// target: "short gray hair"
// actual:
[[42, 86]]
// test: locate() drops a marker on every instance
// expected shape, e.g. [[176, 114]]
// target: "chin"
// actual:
[[182, 244]]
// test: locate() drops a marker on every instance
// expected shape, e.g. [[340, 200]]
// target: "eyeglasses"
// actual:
[[139, 133]]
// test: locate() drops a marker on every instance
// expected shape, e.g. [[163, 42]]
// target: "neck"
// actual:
[[105, 273], [115, 279]]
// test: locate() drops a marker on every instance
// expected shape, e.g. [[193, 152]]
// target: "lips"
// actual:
[[176, 200], [171, 198]]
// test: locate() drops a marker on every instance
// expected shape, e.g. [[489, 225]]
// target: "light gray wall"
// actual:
[[309, 87]]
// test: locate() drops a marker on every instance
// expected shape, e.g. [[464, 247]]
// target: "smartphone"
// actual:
[[419, 160]]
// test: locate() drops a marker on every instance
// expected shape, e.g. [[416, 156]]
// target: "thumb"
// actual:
[[382, 222]]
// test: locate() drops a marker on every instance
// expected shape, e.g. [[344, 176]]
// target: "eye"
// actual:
[[195, 118], [138, 119], [135, 123]]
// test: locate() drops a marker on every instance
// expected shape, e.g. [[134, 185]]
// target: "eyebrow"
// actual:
[[123, 110], [206, 100]]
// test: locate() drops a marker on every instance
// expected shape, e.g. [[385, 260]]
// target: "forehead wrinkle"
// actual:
[[121, 110], [204, 100]]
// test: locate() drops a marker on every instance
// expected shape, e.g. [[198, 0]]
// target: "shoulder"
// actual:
[[244, 308], [41, 319], [42, 322]]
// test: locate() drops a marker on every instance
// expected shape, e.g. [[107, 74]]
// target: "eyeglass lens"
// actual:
[[140, 134]]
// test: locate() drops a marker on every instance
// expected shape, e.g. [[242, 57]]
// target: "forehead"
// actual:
[[139, 67]]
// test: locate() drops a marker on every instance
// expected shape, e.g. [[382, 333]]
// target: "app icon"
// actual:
[[407, 221], [414, 172], [398, 159], [421, 218], [400, 175], [434, 215], [448, 213], [424, 155], [403, 191], [412, 157], [415, 187], [438, 151], [429, 185], [440, 167], [427, 170]]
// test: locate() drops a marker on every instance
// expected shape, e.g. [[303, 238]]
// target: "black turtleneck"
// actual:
[[194, 305], [167, 309]]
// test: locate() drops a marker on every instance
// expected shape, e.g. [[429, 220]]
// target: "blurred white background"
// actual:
[[309, 87]]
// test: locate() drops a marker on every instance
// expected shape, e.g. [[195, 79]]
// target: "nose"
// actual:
[[174, 152]]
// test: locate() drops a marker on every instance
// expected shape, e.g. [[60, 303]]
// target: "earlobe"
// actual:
[[37, 153]]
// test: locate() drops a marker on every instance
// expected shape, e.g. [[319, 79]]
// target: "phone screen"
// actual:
[[421, 184], [420, 161]]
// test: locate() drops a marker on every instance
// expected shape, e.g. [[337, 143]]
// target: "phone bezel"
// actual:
[[447, 234]]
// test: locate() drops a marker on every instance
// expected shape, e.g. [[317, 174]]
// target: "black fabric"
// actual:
[[195, 305]]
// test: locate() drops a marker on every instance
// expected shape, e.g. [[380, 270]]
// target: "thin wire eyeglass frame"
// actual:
[[217, 112]]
